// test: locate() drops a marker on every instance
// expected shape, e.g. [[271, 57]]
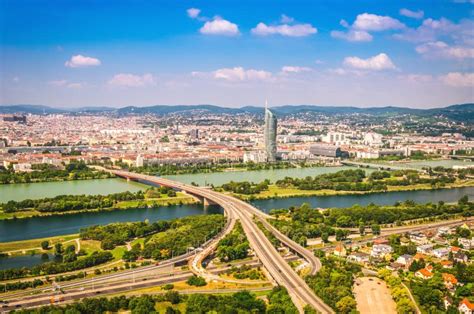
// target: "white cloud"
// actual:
[[458, 79], [286, 19], [431, 29], [375, 63], [79, 61], [413, 14], [297, 30], [365, 23], [287, 69], [132, 80], [219, 26], [373, 22], [352, 35], [240, 74], [442, 50], [193, 12]]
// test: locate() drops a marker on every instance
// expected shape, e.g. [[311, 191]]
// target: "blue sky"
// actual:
[[236, 53]]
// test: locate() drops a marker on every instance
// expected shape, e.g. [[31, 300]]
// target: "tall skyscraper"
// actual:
[[270, 133]]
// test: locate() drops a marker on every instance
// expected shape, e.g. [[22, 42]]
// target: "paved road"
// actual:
[[274, 263]]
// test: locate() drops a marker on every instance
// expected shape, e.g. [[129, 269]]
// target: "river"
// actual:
[[21, 191]]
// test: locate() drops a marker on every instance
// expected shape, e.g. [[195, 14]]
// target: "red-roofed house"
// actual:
[[466, 307], [450, 280], [424, 274]]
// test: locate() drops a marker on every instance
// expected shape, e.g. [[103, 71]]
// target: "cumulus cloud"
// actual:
[[352, 35], [296, 30], [375, 63], [365, 23], [458, 79], [79, 61], [442, 50], [413, 14], [431, 29], [132, 80], [287, 69], [193, 12], [219, 26], [373, 22], [240, 74]]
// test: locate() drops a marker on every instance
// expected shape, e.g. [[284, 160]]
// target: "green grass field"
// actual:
[[35, 243]]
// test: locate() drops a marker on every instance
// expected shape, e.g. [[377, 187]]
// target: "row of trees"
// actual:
[[355, 180], [400, 211], [63, 203], [246, 187], [96, 258], [205, 167], [234, 245], [239, 302], [21, 285], [72, 171]]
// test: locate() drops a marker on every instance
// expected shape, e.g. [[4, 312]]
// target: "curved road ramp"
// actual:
[[273, 262]]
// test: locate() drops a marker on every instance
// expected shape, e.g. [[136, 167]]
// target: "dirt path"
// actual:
[[373, 296]]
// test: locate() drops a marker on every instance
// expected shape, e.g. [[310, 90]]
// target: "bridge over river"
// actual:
[[235, 209]]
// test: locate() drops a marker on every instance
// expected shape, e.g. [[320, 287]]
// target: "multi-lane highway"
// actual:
[[274, 263]]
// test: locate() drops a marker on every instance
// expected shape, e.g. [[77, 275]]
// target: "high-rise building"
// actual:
[[270, 134]]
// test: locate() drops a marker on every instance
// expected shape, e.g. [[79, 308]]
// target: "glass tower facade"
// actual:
[[270, 134]]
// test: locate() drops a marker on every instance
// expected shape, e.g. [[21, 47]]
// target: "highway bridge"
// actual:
[[235, 209]]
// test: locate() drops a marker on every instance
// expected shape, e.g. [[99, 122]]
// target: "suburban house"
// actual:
[[466, 244], [442, 252], [381, 250], [424, 274], [466, 307], [359, 257], [405, 260], [425, 248], [446, 264], [340, 250], [450, 281]]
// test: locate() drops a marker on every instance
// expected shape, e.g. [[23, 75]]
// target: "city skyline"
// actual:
[[359, 54]]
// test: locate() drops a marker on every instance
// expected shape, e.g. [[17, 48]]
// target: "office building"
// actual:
[[270, 133]]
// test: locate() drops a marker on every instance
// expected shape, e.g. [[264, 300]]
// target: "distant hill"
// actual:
[[460, 112]]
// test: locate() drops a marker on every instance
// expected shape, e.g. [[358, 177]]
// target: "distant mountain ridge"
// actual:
[[462, 112]]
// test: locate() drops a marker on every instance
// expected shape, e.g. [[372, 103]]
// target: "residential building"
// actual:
[[466, 307], [359, 257], [381, 250], [424, 274]]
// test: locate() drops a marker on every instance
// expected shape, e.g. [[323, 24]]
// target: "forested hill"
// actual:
[[460, 112]]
